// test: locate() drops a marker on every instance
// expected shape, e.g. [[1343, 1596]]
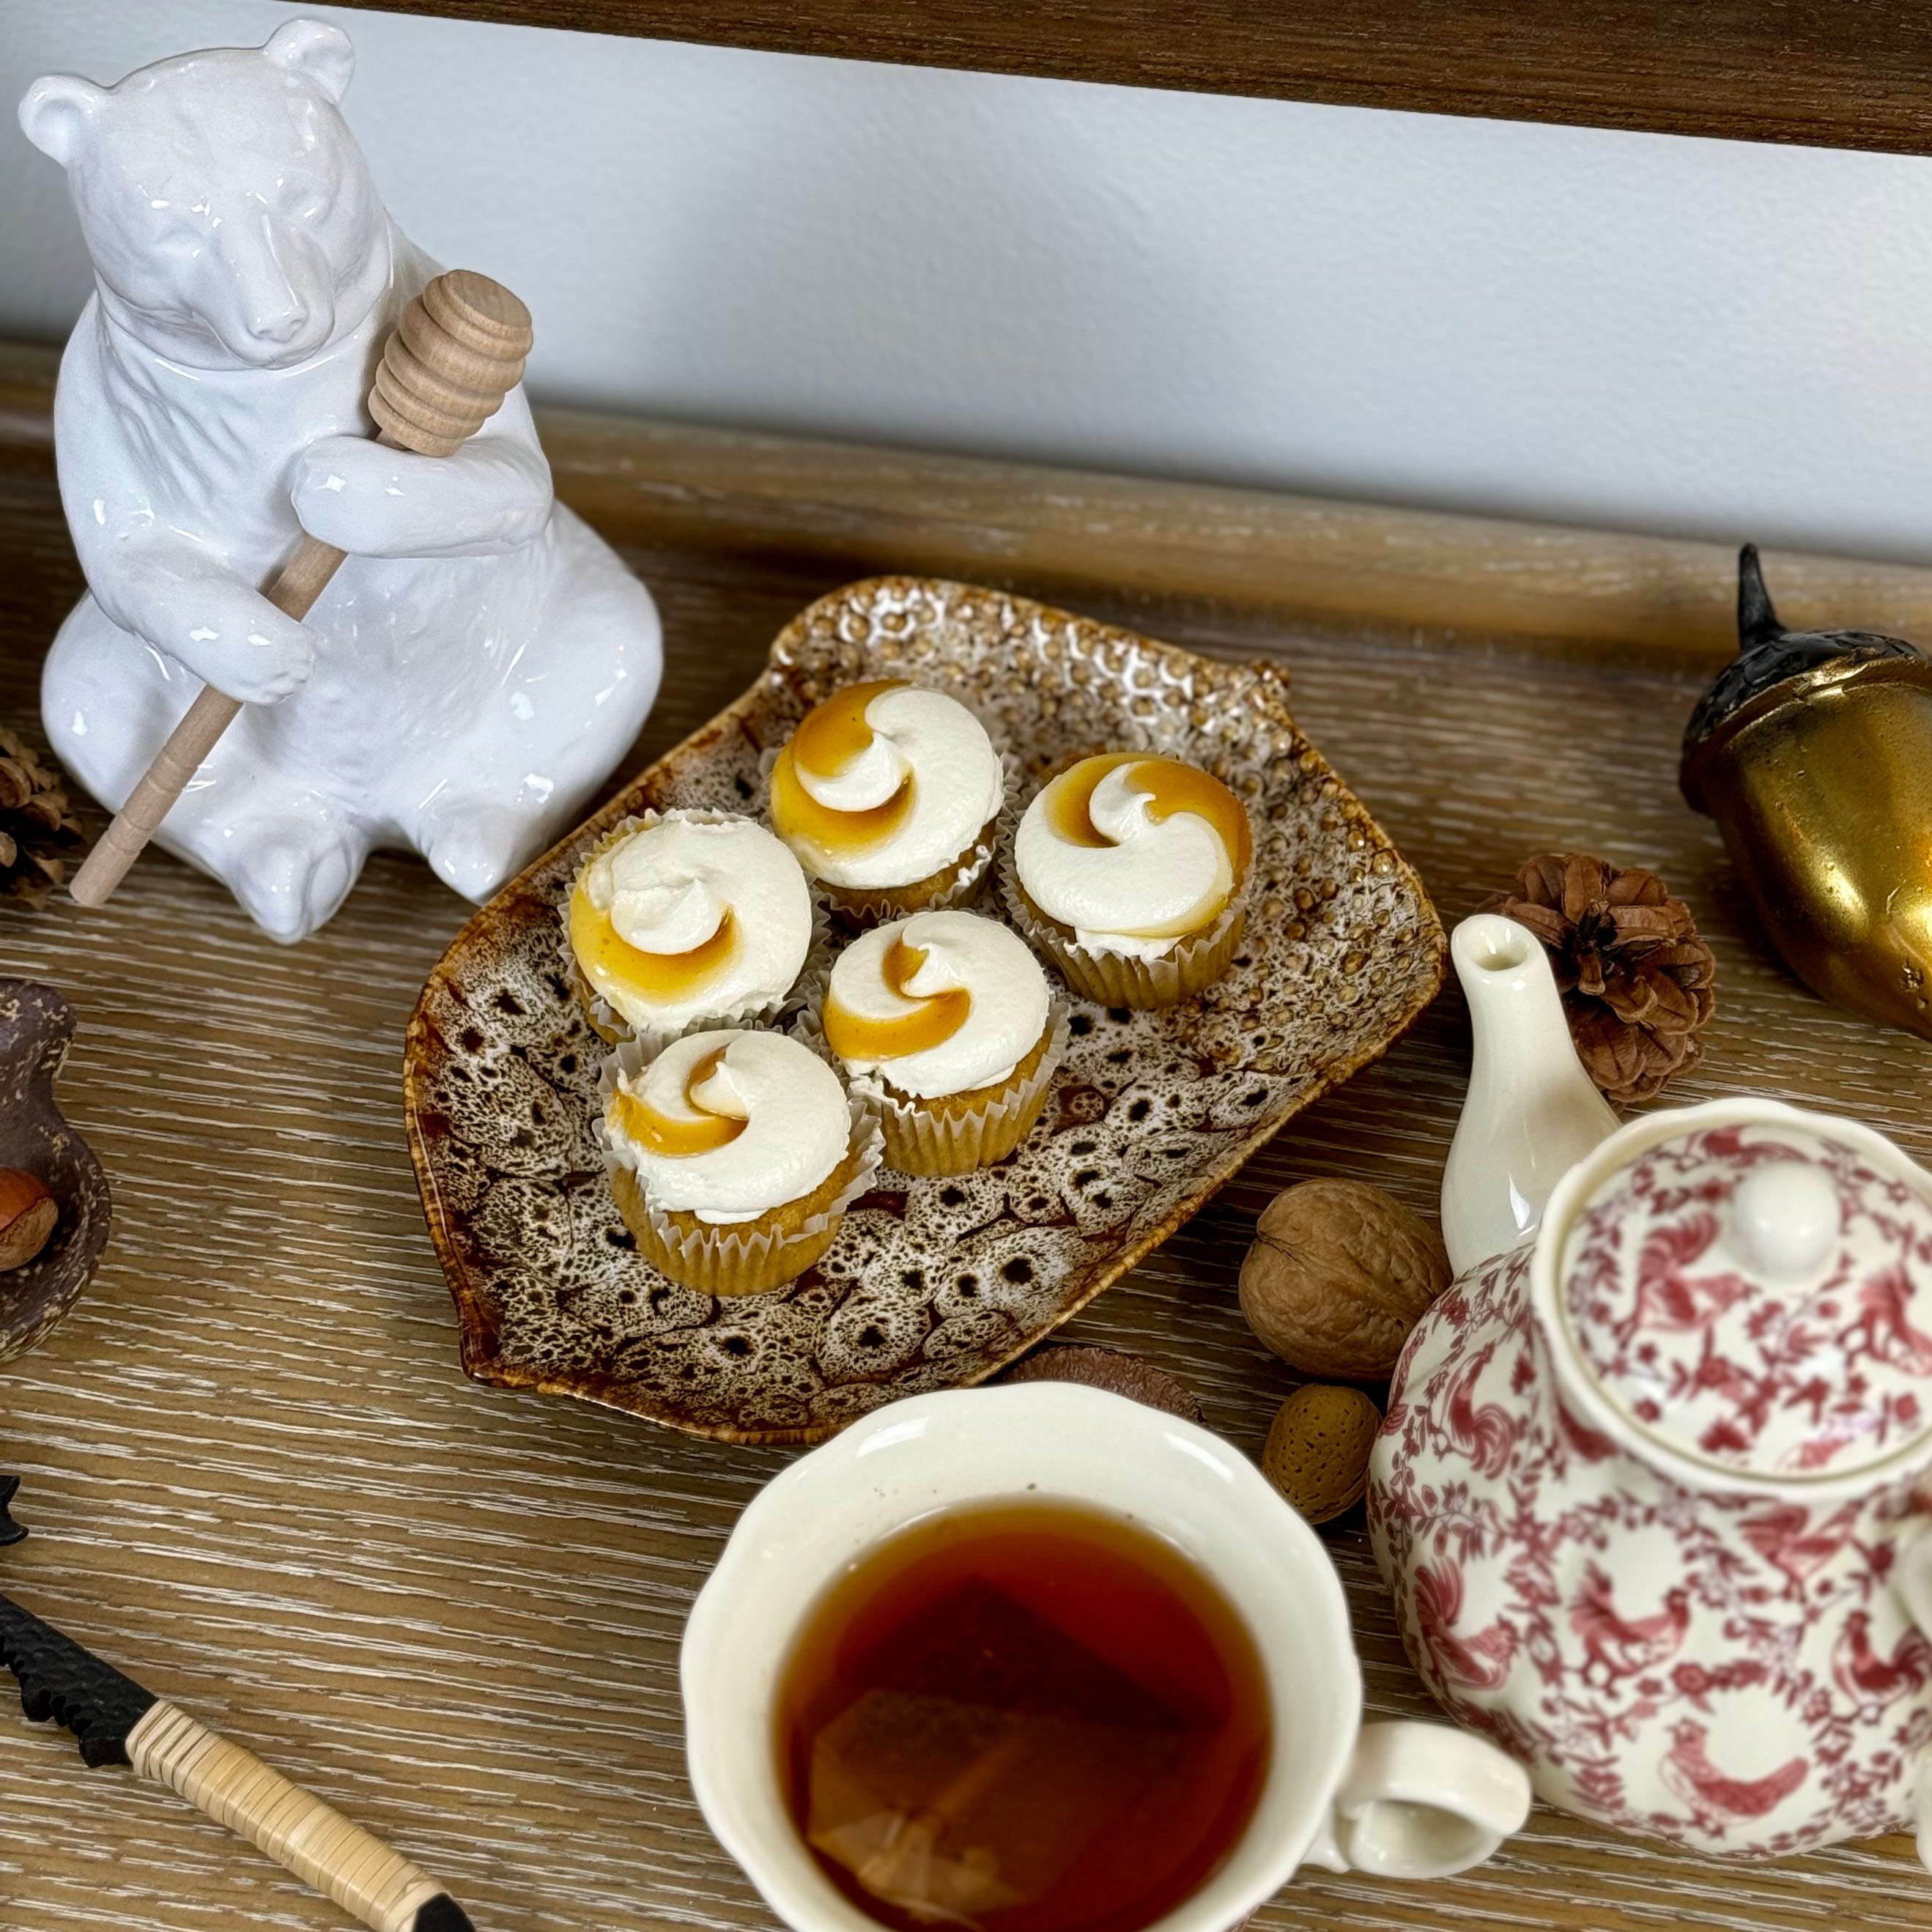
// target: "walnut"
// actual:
[[1339, 1273]]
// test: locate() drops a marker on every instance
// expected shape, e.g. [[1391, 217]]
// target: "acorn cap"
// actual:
[[1768, 655], [1773, 664]]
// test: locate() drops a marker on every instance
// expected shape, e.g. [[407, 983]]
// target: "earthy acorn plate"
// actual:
[[931, 1284], [36, 1025]]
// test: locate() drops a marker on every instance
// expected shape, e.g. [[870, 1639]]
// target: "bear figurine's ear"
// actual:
[[55, 113], [313, 48]]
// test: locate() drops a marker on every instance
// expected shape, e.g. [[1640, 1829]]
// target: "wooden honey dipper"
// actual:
[[458, 352]]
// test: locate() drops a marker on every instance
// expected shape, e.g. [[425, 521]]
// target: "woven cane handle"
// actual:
[[456, 353], [296, 1829]]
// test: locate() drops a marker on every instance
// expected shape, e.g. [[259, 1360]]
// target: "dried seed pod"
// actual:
[[1339, 1273], [27, 1214], [1317, 1452], [1636, 981], [1109, 1368]]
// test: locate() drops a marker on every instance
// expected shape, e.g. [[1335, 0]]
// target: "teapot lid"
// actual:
[[1757, 1296]]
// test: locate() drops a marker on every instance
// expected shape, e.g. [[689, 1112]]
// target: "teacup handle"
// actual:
[[1421, 1801]]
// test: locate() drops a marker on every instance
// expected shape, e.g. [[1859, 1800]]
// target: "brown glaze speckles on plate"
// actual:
[[931, 1283], [36, 1024]]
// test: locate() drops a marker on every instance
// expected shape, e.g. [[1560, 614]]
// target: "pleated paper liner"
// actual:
[[736, 1257], [930, 1138], [1118, 979]]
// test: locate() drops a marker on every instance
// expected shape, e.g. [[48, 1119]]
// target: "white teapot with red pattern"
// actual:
[[1647, 1492]]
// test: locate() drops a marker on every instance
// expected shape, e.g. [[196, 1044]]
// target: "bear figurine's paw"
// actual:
[[291, 873], [474, 846], [272, 679], [228, 635], [490, 496], [263, 670]]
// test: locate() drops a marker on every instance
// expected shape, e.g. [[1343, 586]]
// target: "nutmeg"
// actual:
[[1317, 1452], [28, 1213], [1339, 1273]]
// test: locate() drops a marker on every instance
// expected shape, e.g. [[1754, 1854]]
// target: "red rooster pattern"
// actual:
[[1715, 1798], [1785, 1536], [1669, 1297], [1617, 1647], [1872, 1681], [1477, 1663], [1884, 1327], [1485, 1432]]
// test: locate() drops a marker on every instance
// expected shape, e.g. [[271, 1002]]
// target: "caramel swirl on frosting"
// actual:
[[689, 918], [693, 1128], [884, 784], [1133, 851], [729, 1125], [939, 1003]]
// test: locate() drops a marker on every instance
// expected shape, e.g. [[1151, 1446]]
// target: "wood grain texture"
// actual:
[[1810, 71], [255, 1475], [789, 515]]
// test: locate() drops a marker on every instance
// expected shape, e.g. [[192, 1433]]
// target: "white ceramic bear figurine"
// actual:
[[480, 661]]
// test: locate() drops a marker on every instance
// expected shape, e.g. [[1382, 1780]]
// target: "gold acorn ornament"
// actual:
[[1813, 751]]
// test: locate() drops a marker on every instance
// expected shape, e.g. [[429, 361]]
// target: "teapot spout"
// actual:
[[1532, 1112]]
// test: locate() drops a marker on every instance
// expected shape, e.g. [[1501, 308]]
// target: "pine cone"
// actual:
[[1636, 981], [38, 834]]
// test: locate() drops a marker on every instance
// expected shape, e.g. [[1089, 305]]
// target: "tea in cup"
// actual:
[[1034, 1657]]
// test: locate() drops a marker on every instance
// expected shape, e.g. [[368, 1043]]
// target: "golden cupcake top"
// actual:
[[1133, 851], [729, 1124], [693, 917], [942, 1002], [884, 784]]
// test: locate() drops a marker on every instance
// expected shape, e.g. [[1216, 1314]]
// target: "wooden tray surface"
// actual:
[[255, 1475]]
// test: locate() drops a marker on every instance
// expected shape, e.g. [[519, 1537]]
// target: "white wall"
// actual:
[[1699, 337]]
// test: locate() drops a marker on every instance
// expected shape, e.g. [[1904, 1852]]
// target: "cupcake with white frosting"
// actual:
[[681, 918], [890, 795], [733, 1157], [1130, 870], [945, 1023]]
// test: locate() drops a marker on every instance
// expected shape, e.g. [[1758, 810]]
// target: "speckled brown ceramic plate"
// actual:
[[931, 1284]]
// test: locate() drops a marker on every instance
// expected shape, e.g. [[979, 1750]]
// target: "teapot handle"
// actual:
[[1421, 1801], [1912, 1579]]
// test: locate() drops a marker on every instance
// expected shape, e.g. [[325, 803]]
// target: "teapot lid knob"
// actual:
[[1785, 1220]]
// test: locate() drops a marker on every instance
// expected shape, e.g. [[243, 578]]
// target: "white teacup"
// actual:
[[1403, 1800]]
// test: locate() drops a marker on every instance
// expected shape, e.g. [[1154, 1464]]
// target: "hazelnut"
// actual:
[[28, 1213], [1317, 1452], [1339, 1273], [1109, 1368]]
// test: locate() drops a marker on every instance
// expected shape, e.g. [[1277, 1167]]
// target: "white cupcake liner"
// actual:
[[610, 1025], [922, 1142], [733, 1258], [863, 906], [1119, 979]]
